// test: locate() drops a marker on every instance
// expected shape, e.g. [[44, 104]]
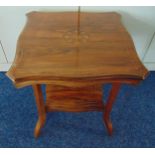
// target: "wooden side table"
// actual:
[[74, 55]]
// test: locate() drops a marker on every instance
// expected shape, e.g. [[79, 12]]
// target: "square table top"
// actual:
[[72, 46]]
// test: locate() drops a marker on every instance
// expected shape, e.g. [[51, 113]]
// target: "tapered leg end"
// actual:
[[37, 129], [109, 127]]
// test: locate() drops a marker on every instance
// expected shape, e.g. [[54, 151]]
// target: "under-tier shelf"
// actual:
[[73, 99]]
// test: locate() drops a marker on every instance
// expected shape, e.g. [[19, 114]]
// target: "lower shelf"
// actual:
[[72, 99], [74, 106]]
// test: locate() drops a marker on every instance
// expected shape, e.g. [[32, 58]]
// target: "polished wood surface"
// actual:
[[74, 55], [112, 96], [74, 99], [60, 47], [41, 109]]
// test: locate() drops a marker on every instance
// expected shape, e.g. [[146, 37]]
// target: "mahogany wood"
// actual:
[[41, 109], [74, 55], [108, 107], [55, 47], [60, 98]]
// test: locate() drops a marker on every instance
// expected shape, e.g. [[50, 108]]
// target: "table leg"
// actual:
[[108, 106], [41, 109]]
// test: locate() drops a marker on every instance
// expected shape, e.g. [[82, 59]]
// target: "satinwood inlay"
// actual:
[[74, 54]]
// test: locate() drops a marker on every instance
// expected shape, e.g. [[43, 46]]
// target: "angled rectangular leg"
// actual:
[[41, 109], [108, 106]]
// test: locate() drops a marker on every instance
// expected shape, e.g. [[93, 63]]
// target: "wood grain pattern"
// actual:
[[41, 109], [72, 99], [112, 96], [74, 55], [54, 47]]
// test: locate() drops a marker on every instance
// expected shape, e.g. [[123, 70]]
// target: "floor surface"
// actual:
[[133, 118]]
